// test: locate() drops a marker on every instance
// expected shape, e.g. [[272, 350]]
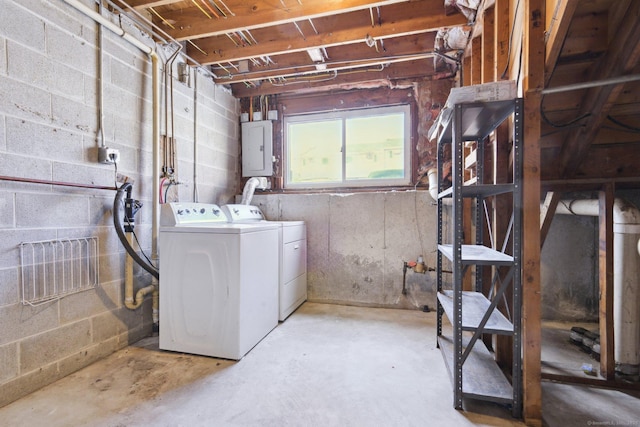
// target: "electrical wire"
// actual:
[[156, 31], [166, 191], [628, 128], [561, 125], [515, 16], [378, 61]]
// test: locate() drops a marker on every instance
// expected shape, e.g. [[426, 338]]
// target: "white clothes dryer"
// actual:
[[292, 252], [218, 281]]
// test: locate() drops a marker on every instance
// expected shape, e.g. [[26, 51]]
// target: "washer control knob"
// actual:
[[202, 210]]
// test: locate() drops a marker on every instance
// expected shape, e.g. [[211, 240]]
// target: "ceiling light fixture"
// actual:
[[316, 55]]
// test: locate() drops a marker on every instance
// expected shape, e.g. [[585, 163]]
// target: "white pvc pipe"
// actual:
[[129, 301], [626, 277], [109, 25], [156, 131], [155, 83], [432, 174]]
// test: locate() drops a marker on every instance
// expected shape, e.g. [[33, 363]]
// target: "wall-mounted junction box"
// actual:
[[108, 155]]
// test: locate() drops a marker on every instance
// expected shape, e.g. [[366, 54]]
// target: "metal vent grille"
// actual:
[[54, 268]]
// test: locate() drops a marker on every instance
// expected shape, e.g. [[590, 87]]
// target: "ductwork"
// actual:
[[250, 188], [626, 277]]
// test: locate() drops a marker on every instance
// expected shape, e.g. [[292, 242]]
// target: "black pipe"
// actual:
[[404, 278], [117, 222]]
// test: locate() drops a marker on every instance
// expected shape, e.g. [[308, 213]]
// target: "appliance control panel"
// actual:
[[176, 214], [245, 213]]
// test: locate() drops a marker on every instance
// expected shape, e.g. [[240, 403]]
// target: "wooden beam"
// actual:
[[588, 184], [191, 23], [557, 29], [605, 279], [466, 71], [547, 211], [533, 82], [501, 38], [488, 46], [591, 382], [144, 4], [395, 49], [621, 58], [476, 61], [411, 22], [366, 78]]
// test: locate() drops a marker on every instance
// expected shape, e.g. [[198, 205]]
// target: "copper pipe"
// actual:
[[65, 184]]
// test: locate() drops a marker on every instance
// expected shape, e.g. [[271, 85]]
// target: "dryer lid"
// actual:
[[242, 213]]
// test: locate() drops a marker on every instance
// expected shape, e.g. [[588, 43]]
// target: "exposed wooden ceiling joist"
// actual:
[[407, 21], [192, 23], [268, 39], [622, 57]]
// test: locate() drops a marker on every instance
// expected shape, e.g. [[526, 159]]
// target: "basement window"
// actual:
[[354, 148]]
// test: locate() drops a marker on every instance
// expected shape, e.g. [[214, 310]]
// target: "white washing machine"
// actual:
[[292, 266], [218, 281]]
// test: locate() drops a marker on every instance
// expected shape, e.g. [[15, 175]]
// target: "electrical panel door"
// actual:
[[257, 148]]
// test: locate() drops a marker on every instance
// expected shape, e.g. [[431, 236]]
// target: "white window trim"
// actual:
[[345, 114]]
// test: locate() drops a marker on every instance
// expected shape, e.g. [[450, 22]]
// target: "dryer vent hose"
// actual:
[[250, 188], [117, 223]]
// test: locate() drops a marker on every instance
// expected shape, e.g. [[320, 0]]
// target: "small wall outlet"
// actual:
[[108, 155]]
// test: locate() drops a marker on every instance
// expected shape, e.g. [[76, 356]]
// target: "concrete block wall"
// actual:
[[569, 269], [357, 245], [48, 131]]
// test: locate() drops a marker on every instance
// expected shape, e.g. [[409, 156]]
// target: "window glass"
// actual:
[[375, 147], [316, 155], [351, 148]]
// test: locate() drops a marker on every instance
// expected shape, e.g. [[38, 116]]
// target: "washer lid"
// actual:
[[185, 214], [224, 228]]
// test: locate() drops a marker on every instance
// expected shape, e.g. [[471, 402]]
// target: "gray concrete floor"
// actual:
[[327, 365]]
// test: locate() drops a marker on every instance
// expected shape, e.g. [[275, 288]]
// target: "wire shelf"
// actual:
[[52, 269]]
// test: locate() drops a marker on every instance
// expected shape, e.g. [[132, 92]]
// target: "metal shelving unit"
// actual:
[[473, 314]]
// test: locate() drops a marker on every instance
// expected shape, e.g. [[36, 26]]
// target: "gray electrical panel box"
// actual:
[[257, 148]]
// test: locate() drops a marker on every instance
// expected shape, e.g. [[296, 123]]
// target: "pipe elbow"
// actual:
[[250, 188], [133, 303], [432, 175]]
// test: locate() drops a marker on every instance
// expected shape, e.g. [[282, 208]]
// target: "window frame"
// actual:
[[344, 115]]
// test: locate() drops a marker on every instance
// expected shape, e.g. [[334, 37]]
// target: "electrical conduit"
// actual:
[[156, 130]]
